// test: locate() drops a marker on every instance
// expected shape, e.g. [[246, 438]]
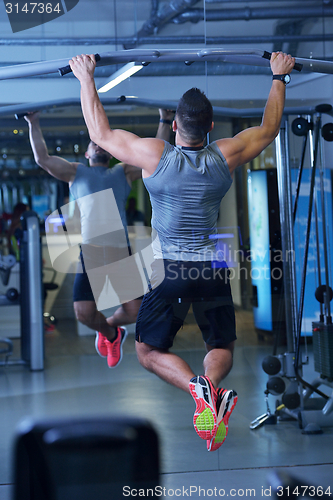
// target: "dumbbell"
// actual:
[[300, 126], [271, 365]]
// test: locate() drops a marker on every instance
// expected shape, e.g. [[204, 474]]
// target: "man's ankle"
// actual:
[[112, 336]]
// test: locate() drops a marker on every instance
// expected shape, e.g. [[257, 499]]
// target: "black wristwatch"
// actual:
[[284, 78]]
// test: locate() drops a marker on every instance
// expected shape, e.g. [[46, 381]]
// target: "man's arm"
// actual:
[[163, 132], [58, 167], [164, 127], [249, 143], [125, 146]]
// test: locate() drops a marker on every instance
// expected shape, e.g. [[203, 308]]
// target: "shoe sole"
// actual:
[[96, 347], [121, 346], [222, 426], [205, 418]]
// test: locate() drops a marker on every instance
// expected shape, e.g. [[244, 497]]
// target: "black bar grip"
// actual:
[[67, 69], [297, 66]]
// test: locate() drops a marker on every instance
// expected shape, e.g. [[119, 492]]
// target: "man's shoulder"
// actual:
[[80, 165], [118, 166], [117, 169]]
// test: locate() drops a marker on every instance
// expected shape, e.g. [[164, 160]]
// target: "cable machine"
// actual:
[[311, 413]]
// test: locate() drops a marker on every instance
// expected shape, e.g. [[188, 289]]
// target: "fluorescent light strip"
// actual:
[[120, 75]]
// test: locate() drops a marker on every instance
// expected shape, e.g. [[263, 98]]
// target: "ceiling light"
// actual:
[[120, 75]]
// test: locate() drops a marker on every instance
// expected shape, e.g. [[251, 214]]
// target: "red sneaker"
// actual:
[[114, 349], [101, 344], [205, 418], [226, 402]]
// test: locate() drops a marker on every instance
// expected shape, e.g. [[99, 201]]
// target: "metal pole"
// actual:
[[325, 241], [293, 318], [32, 327], [307, 236], [287, 235], [36, 297], [21, 109], [250, 57], [316, 223]]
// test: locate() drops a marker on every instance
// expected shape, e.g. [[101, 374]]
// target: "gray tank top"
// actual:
[[186, 190], [101, 195]]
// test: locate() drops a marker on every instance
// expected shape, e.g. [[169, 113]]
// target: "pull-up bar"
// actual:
[[251, 57], [19, 110]]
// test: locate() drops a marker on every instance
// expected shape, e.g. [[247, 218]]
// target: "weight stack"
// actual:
[[322, 339]]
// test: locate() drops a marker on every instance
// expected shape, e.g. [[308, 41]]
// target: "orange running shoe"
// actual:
[[205, 418], [226, 402], [114, 348], [101, 344]]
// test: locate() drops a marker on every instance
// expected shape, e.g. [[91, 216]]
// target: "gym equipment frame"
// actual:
[[30, 298]]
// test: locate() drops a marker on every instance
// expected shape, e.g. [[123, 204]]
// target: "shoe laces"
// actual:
[[102, 339]]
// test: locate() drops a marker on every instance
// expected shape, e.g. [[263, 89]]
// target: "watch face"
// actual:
[[287, 78]]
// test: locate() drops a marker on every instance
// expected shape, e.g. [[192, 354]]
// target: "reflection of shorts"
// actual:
[[164, 308], [82, 289], [86, 288]]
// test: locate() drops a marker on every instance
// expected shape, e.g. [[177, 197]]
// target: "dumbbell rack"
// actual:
[[322, 335]]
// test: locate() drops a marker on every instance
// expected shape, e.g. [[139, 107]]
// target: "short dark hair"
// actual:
[[194, 116]]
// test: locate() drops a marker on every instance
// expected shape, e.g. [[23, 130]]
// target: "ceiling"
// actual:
[[300, 27]]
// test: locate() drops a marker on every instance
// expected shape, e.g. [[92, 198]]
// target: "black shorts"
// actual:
[[164, 308], [86, 286], [82, 289]]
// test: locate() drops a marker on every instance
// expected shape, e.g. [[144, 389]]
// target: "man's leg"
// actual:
[[218, 363], [217, 323], [166, 365], [86, 313], [174, 370], [85, 306], [109, 338], [126, 314]]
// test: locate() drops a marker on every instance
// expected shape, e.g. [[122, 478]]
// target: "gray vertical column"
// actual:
[[36, 295], [32, 323], [287, 233]]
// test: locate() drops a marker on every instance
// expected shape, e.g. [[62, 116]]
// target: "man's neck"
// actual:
[[185, 145], [106, 165], [181, 142]]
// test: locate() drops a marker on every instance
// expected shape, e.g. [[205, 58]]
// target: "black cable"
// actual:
[[299, 177], [306, 251], [298, 187]]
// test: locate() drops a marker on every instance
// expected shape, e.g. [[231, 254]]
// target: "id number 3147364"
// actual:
[[33, 8]]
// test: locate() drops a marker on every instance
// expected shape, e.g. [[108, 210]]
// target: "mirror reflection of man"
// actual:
[[98, 251]]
